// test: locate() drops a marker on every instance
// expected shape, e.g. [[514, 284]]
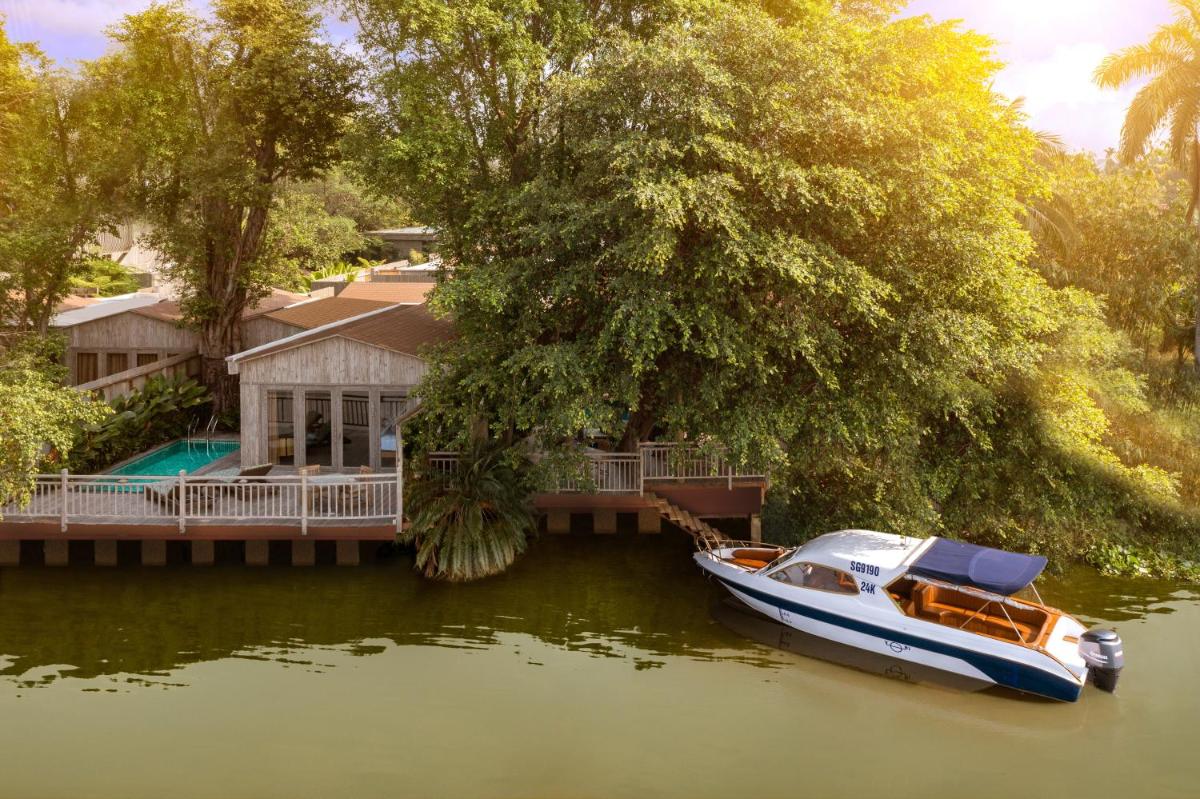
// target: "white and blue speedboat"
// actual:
[[943, 604]]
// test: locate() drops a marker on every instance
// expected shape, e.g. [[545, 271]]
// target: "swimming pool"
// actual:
[[178, 455]]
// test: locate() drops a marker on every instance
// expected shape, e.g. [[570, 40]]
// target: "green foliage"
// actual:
[[1131, 246], [105, 277], [210, 116], [303, 238], [41, 417], [738, 229], [473, 522], [57, 188], [158, 412], [343, 196], [343, 268], [416, 257]]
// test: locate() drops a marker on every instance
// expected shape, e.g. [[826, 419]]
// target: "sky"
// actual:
[[1050, 47]]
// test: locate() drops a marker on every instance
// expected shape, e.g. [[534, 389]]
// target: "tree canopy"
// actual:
[[212, 115]]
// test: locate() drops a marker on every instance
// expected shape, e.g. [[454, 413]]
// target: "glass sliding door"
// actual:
[[318, 428], [356, 429], [281, 439], [391, 407]]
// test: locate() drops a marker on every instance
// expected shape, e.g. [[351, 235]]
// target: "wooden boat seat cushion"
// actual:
[[955, 609], [750, 563]]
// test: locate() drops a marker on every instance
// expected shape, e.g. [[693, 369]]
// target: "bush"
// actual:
[[160, 411], [473, 522]]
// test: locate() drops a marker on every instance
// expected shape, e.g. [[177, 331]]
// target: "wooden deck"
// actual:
[[363, 506]]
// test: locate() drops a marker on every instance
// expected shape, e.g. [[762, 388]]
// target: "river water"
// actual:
[[598, 667]]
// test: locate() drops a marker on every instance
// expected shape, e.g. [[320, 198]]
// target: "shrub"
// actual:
[[158, 412], [473, 522]]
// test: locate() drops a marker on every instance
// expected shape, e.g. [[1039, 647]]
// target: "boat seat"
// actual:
[[749, 563]]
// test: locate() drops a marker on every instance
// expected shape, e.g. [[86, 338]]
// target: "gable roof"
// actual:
[[387, 291], [317, 313], [103, 308], [399, 328]]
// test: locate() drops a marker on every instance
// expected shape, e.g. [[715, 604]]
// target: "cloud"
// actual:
[[1061, 97], [1051, 48]]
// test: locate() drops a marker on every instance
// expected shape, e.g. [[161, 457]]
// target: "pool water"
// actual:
[[187, 456]]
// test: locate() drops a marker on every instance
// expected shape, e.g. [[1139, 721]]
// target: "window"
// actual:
[[281, 441], [814, 575], [391, 407], [116, 362], [146, 358], [87, 367], [318, 428], [356, 429]]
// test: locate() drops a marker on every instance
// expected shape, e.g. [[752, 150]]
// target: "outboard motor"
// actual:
[[1102, 651]]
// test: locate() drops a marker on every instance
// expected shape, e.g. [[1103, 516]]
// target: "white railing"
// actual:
[[627, 472], [188, 500], [607, 473], [685, 462]]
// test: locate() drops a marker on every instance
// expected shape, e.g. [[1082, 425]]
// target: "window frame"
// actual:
[[842, 573]]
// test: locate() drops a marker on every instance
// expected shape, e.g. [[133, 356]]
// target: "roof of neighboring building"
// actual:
[[399, 328], [103, 308], [415, 231], [318, 313], [387, 291], [169, 311]]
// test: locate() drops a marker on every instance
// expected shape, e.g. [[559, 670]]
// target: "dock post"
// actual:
[[558, 521], [399, 478], [58, 551], [604, 521], [154, 552], [649, 520], [304, 552], [258, 553], [203, 553], [10, 553], [347, 552], [756, 528], [104, 551]]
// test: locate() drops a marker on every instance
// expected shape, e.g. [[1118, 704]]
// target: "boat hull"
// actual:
[[1020, 671]]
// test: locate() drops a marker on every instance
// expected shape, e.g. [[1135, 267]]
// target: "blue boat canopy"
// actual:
[[983, 567]]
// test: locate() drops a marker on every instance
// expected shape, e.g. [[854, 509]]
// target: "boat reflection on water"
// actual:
[[749, 623]]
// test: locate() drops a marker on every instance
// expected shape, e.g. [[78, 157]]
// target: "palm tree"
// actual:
[[1171, 99], [473, 521]]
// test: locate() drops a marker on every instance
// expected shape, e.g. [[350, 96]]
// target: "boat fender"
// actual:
[[1105, 656]]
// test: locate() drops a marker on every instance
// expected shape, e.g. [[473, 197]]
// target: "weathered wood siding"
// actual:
[[130, 331], [263, 330], [334, 365], [333, 361], [129, 334]]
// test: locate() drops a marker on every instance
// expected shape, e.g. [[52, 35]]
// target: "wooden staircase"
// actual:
[[705, 534]]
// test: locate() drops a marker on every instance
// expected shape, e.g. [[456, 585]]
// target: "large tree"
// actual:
[[213, 115], [57, 190], [460, 90], [755, 230], [1170, 99]]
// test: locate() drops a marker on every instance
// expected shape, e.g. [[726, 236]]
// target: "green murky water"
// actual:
[[600, 667]]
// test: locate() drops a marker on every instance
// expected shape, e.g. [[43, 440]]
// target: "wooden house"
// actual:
[[331, 395]]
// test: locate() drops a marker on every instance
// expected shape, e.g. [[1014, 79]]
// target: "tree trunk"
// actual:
[[220, 337], [640, 423]]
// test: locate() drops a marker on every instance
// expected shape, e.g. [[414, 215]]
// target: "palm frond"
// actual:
[[1151, 107]]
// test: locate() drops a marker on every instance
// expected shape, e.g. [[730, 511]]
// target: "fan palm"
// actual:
[[1170, 99], [474, 521]]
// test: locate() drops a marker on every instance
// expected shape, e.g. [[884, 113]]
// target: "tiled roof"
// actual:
[[387, 291], [400, 328], [308, 315], [168, 310], [406, 328]]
